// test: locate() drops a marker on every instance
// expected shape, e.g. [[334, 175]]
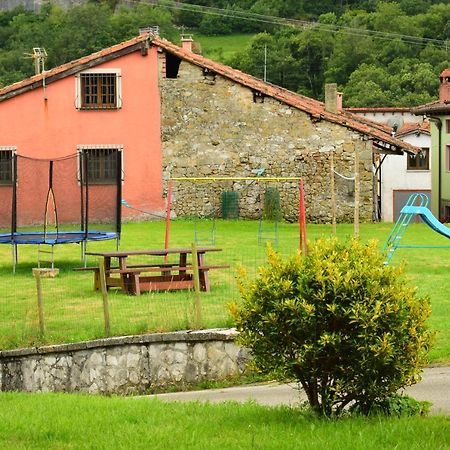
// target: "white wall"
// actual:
[[384, 116], [394, 176]]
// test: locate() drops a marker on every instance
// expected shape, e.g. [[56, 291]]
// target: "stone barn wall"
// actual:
[[213, 127]]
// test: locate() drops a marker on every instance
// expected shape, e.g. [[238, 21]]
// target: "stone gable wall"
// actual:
[[212, 127]]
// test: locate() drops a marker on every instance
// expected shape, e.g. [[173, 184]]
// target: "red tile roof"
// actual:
[[312, 107], [437, 107], [412, 127]]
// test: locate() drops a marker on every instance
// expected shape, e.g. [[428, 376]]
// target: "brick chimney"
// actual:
[[333, 98], [186, 42], [444, 87]]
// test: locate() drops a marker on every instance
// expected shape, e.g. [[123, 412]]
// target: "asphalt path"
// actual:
[[434, 387]]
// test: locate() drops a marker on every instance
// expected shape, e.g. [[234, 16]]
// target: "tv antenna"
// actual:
[[395, 122], [38, 56]]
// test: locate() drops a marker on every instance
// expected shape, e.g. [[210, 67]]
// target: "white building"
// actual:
[[400, 175]]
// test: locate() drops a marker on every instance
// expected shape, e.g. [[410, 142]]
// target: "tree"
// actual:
[[340, 322]]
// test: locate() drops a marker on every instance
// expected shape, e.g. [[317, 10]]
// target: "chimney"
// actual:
[[333, 98], [186, 42], [444, 87], [339, 101]]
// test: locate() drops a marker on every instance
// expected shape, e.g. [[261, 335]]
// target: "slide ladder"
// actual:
[[404, 219]]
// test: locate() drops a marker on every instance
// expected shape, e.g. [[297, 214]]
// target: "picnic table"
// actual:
[[160, 275]]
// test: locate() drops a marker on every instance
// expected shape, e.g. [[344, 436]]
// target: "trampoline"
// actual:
[[74, 199]]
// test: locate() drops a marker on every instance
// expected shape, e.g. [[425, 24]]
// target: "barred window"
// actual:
[[6, 165], [101, 165], [99, 90]]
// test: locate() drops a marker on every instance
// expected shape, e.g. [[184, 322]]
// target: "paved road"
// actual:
[[434, 387]]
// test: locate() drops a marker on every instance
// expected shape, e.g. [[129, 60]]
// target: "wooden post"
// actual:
[[168, 210], [333, 194], [40, 300], [104, 290], [197, 301], [303, 236], [357, 194]]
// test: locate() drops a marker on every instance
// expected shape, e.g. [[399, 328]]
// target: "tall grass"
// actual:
[[73, 311], [56, 421]]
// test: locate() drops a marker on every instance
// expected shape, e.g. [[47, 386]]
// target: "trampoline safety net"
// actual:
[[57, 196]]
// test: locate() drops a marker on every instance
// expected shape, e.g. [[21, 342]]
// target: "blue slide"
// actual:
[[427, 216]]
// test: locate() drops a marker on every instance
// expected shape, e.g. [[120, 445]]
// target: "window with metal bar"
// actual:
[[98, 91], [101, 165], [6, 166]]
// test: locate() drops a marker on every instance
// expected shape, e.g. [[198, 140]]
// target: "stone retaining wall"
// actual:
[[124, 365]]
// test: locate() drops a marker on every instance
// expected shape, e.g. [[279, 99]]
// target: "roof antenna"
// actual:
[[39, 56]]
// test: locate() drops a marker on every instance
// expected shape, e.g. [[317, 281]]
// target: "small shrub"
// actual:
[[397, 405], [348, 328]]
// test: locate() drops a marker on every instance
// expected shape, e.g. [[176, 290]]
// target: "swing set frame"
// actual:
[[301, 206]]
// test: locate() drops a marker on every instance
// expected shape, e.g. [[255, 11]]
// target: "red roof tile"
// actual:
[[436, 107], [413, 127]]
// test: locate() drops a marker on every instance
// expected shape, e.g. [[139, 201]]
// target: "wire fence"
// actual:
[[48, 307]]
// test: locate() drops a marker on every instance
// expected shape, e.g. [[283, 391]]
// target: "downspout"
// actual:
[[438, 123], [378, 188]]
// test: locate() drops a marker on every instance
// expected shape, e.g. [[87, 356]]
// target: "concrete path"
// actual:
[[434, 387]]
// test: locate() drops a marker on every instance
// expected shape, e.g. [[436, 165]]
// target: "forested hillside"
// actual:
[[379, 53]]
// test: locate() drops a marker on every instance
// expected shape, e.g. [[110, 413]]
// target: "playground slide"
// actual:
[[427, 216]]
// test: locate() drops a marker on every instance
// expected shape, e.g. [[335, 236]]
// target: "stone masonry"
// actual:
[[124, 365], [213, 127]]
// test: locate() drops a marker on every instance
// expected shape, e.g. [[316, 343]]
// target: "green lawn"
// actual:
[[61, 421], [73, 311], [222, 48]]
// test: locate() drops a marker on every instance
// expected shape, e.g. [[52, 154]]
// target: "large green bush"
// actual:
[[345, 326]]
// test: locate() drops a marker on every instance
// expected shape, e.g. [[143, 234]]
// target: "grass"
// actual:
[[222, 48], [73, 311], [61, 421]]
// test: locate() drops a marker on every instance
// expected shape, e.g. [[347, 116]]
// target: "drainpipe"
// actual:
[[438, 123]]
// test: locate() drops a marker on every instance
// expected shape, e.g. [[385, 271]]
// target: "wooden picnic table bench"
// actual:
[[161, 276]]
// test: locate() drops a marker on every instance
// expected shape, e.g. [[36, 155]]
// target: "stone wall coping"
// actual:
[[222, 334]]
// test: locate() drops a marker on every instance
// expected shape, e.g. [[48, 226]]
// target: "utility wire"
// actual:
[[249, 16]]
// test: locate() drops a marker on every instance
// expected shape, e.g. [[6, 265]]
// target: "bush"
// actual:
[[340, 322], [399, 406]]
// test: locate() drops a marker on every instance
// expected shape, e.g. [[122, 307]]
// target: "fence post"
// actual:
[[357, 195], [197, 301], [104, 289], [333, 195], [40, 300]]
